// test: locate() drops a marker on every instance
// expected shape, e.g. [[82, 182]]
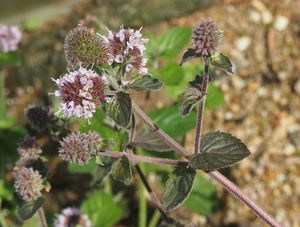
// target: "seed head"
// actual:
[[127, 47], [207, 36], [38, 117], [28, 183], [28, 146], [10, 38], [79, 147], [84, 47], [81, 91], [72, 217]]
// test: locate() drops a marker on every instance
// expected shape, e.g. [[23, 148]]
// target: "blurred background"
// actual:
[[259, 104]]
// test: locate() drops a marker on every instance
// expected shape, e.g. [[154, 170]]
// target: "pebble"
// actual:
[[243, 43], [281, 23]]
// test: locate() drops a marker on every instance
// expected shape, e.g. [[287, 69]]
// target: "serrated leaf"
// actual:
[[218, 150], [178, 187], [120, 140], [119, 108], [103, 169], [189, 55], [29, 208], [144, 83], [188, 100], [148, 140], [121, 170], [221, 61]]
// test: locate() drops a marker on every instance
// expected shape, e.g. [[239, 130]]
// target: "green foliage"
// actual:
[[119, 108], [9, 59], [221, 61], [144, 83], [218, 150], [86, 168], [171, 74], [29, 208], [214, 98], [120, 140], [188, 100], [102, 209], [121, 170], [103, 169], [170, 120], [178, 187], [189, 55], [5, 191], [203, 198]]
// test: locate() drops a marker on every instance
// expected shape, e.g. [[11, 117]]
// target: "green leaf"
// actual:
[[121, 170], [214, 98], [173, 41], [119, 108], [144, 83], [148, 140], [203, 198], [170, 120], [171, 74], [103, 169], [9, 59], [5, 191], [121, 140], [189, 55], [86, 168], [28, 209], [218, 150], [221, 61], [102, 209], [178, 187], [188, 100]]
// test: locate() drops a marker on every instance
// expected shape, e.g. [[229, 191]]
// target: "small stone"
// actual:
[[254, 16], [281, 23], [243, 43]]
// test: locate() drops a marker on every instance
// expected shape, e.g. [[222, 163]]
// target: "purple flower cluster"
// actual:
[[81, 92], [72, 217], [10, 37], [127, 47]]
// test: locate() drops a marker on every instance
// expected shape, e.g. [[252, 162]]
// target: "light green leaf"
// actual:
[[29, 208], [178, 187], [121, 170], [144, 83], [188, 100], [86, 168], [171, 74], [102, 209], [221, 61], [214, 97], [119, 108], [218, 150]]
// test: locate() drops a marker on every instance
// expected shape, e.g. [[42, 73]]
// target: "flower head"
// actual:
[[207, 36], [28, 146], [81, 91], [79, 147], [38, 117], [28, 183], [33, 161], [72, 217], [83, 46], [10, 37], [128, 46]]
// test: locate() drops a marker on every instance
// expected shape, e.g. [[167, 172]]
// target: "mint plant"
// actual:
[[103, 72]]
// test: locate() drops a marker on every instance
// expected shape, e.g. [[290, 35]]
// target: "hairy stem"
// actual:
[[230, 186], [199, 124], [140, 158], [42, 217]]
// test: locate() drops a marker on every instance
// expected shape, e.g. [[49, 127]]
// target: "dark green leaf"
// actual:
[[188, 55], [120, 140], [173, 41], [144, 83], [28, 209], [197, 82], [102, 209], [203, 198], [171, 74], [9, 59], [170, 120], [214, 97], [188, 100], [221, 61], [103, 169], [86, 168], [146, 139], [121, 170], [218, 150], [119, 108], [178, 187]]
